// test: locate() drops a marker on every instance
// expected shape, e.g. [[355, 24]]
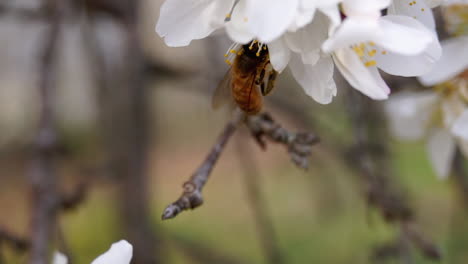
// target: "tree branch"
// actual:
[[299, 145], [369, 157], [192, 195], [43, 174], [261, 127]]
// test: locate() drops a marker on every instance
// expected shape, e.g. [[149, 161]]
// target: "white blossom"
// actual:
[[366, 41], [440, 116], [119, 253]]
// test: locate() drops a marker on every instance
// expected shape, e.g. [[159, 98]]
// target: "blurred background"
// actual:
[[101, 124]]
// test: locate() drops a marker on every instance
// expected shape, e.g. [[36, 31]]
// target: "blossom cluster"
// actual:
[[312, 36], [360, 38], [440, 114]]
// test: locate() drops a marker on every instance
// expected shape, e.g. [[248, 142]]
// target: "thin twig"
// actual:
[[192, 195], [299, 145], [261, 126]]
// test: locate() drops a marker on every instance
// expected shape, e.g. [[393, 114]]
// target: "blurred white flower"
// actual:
[[441, 116], [366, 41], [182, 21], [59, 258], [119, 253], [454, 60]]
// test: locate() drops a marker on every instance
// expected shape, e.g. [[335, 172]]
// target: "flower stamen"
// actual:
[[232, 52], [229, 15]]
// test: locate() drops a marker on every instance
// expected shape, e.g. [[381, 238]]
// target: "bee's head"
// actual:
[[255, 49]]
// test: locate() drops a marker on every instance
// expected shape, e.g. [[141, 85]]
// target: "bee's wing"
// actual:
[[222, 94]]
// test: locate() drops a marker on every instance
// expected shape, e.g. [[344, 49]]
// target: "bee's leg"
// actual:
[[270, 82], [260, 78]]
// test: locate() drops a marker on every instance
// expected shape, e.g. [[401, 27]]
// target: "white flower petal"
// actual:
[[415, 65], [237, 28], [307, 40], [59, 258], [409, 113], [181, 21], [333, 14], [452, 107], [279, 54], [365, 79], [453, 61], [416, 9], [120, 253], [435, 3], [316, 80], [268, 19], [441, 150], [351, 31], [460, 126], [355, 7], [403, 35], [303, 17]]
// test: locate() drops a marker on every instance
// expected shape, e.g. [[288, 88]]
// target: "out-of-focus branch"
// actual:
[[369, 158], [266, 231], [23, 14], [192, 195], [43, 174], [299, 145]]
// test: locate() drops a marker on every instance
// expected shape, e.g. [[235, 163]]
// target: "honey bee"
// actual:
[[250, 77]]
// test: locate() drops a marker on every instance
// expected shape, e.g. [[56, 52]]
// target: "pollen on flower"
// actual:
[[370, 63], [231, 53], [359, 50]]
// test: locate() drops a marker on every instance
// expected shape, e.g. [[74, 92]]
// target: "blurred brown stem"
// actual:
[[265, 228], [460, 177], [43, 174], [369, 157]]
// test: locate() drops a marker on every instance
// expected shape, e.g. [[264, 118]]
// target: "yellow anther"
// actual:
[[228, 62], [246, 19], [384, 52], [225, 55], [233, 51], [372, 53], [370, 63], [371, 43], [422, 9], [239, 53], [359, 51], [228, 15], [258, 54]]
